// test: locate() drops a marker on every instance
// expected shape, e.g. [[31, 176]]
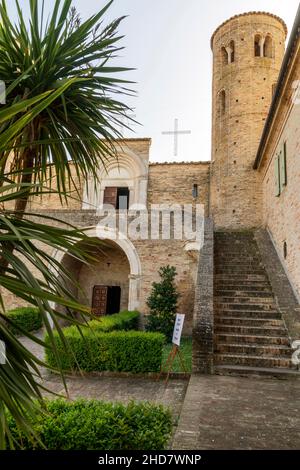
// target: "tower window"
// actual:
[[268, 47], [195, 191], [231, 52], [228, 53], [224, 56], [258, 46]]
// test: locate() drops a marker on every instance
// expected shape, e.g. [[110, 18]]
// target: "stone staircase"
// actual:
[[250, 335]]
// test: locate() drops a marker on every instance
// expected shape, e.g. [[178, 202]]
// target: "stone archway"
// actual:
[[127, 248]]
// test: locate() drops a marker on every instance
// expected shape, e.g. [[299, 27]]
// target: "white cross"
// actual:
[[176, 133]]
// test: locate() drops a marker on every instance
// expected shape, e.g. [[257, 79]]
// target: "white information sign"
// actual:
[[178, 329]]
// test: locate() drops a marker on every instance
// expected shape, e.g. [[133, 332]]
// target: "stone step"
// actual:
[[240, 299], [244, 371], [237, 261], [248, 287], [243, 293], [245, 306], [255, 350], [234, 338], [225, 253], [236, 248], [249, 321], [240, 271], [253, 361], [264, 314], [236, 281], [239, 257], [270, 331], [240, 279]]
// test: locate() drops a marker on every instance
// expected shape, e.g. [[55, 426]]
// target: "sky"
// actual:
[[168, 43]]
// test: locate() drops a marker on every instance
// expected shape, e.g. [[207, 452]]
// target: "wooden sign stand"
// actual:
[[166, 368]]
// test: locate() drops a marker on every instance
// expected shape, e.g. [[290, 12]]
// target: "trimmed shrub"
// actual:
[[120, 351], [95, 425], [162, 303], [27, 318], [119, 321]]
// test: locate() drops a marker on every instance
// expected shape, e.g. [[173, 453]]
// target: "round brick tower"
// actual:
[[248, 51]]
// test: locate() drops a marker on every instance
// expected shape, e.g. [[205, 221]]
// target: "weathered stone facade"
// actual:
[[242, 93], [167, 184], [237, 195], [281, 214]]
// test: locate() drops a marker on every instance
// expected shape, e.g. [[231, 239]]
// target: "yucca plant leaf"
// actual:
[[65, 101]]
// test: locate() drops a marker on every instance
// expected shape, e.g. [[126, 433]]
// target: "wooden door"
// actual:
[[99, 302], [110, 196]]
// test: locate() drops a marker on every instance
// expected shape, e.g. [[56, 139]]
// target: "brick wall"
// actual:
[[173, 183], [235, 188], [203, 329], [282, 214]]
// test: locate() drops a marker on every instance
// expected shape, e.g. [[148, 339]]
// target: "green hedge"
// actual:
[[120, 321], [94, 351], [27, 318], [94, 425]]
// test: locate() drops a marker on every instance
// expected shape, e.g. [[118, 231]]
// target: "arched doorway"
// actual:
[[116, 265]]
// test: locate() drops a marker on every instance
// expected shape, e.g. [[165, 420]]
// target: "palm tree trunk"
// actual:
[[21, 203]]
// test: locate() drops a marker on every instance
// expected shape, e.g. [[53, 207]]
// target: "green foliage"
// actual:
[[93, 351], [24, 318], [64, 71], [119, 321], [162, 303], [95, 425], [63, 101]]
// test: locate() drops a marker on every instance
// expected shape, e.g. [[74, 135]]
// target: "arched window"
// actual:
[[231, 52], [257, 46], [228, 53], [268, 47], [224, 56]]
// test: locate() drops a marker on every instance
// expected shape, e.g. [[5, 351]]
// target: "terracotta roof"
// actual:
[[248, 14]]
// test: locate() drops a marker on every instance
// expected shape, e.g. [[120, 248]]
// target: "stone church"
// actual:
[[240, 289]]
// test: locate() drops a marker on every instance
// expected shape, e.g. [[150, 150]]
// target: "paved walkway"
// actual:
[[217, 413], [113, 388], [239, 413]]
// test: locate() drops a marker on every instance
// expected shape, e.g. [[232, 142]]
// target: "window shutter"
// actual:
[[277, 177], [110, 196], [283, 172]]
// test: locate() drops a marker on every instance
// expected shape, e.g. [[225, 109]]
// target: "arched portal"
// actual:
[[116, 264]]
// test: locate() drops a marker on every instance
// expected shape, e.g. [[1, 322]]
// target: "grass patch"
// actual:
[[186, 351]]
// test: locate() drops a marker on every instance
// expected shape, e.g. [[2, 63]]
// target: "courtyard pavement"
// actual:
[[235, 413], [120, 389], [216, 412]]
